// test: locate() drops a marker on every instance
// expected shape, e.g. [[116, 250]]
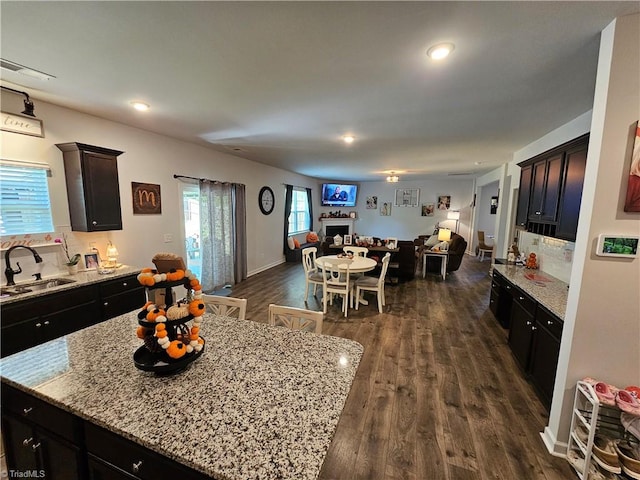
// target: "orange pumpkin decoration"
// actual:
[[174, 275], [155, 313], [196, 308], [194, 283], [176, 349], [142, 332]]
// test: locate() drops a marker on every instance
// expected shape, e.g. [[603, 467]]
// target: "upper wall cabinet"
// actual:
[[92, 187], [551, 190]]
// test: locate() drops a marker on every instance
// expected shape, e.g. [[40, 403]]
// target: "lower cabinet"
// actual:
[[544, 357], [34, 321], [501, 299], [54, 444], [522, 327], [534, 338], [41, 438]]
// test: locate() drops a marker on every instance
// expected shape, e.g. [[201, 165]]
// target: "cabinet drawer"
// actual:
[[547, 320], [119, 285], [525, 301], [23, 405], [115, 305], [133, 458]]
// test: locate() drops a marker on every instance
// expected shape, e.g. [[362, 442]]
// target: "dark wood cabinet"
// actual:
[[93, 189], [40, 437], [573, 180], [544, 358], [501, 299], [522, 327], [524, 192], [545, 189], [114, 457], [29, 323], [551, 190], [35, 321], [120, 296]]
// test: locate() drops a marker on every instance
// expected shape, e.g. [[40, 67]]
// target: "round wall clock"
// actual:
[[266, 200]]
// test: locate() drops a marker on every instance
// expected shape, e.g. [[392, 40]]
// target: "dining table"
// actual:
[[359, 264]]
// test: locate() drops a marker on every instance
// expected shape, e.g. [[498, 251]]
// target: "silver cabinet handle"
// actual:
[[106, 304], [94, 223], [528, 323], [534, 328], [25, 411], [508, 287], [35, 447], [38, 325], [520, 298], [47, 322], [549, 322], [124, 284], [136, 466], [27, 441]]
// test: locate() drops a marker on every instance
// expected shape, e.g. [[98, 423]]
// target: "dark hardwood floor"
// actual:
[[437, 395]]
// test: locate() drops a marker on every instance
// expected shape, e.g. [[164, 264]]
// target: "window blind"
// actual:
[[25, 206]]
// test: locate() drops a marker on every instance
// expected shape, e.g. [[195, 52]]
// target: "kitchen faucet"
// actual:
[[9, 272]]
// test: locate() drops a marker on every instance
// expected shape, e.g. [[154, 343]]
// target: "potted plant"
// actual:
[[72, 261]]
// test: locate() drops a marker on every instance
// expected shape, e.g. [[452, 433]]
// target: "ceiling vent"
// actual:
[[21, 69]]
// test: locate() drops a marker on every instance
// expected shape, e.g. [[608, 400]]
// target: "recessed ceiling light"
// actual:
[[141, 107], [440, 51], [348, 138]]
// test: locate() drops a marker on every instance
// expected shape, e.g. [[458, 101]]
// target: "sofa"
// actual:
[[457, 249], [295, 254]]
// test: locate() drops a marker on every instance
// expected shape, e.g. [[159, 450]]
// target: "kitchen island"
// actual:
[[261, 402]]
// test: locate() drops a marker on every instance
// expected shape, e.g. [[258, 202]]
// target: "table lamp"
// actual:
[[454, 215], [112, 255], [444, 234]]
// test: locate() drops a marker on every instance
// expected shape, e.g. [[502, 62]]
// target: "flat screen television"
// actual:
[[339, 194]]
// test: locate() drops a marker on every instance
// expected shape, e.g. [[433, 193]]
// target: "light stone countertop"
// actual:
[[261, 402], [544, 289], [80, 279]]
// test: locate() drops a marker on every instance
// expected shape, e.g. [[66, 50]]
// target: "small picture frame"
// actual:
[[621, 246], [348, 239], [385, 209], [428, 209], [372, 202], [353, 214], [91, 261]]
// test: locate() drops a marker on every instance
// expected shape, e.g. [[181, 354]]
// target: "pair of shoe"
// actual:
[[604, 453], [606, 393], [577, 462], [629, 459], [626, 400]]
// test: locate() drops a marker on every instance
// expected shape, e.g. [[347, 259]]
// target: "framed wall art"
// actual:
[[444, 202], [407, 197], [372, 203], [146, 198], [428, 209], [632, 200], [385, 209], [22, 124]]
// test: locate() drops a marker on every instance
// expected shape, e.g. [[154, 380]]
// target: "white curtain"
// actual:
[[217, 234]]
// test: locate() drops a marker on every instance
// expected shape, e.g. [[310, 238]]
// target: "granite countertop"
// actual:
[[261, 402], [80, 279], [543, 288]]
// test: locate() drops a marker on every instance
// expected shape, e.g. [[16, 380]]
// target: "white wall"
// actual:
[[406, 223], [601, 336], [150, 158]]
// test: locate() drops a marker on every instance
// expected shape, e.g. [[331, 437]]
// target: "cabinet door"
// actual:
[[545, 194], [99, 470], [20, 336], [121, 296], [523, 195], [544, 363], [102, 192], [18, 438], [521, 334], [575, 164], [58, 459]]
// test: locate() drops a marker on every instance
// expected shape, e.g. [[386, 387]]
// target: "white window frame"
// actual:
[[296, 202]]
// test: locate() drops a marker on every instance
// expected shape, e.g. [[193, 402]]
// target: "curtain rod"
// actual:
[[295, 186], [205, 179]]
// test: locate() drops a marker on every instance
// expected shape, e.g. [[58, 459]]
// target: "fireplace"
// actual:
[[334, 226], [333, 230]]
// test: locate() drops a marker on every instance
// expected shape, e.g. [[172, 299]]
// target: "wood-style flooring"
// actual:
[[438, 395]]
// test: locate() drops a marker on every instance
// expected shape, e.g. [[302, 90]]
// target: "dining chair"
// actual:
[[311, 273], [483, 247], [362, 251], [336, 281], [373, 284], [225, 306], [295, 318]]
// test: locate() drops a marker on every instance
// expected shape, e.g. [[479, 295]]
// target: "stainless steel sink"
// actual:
[[38, 285]]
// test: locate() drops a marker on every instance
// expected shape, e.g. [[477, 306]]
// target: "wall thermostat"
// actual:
[[623, 246]]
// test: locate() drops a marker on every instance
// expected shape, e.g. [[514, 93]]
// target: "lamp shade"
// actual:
[[444, 234], [453, 215], [112, 252]]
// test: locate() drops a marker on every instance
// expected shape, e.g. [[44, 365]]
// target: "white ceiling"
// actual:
[[283, 81]]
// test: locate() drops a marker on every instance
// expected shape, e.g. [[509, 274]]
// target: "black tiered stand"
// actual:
[[158, 361]]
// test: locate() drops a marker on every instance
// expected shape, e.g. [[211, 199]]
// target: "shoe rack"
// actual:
[[594, 417]]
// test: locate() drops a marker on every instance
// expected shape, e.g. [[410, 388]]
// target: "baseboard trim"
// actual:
[[266, 267], [554, 447]]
